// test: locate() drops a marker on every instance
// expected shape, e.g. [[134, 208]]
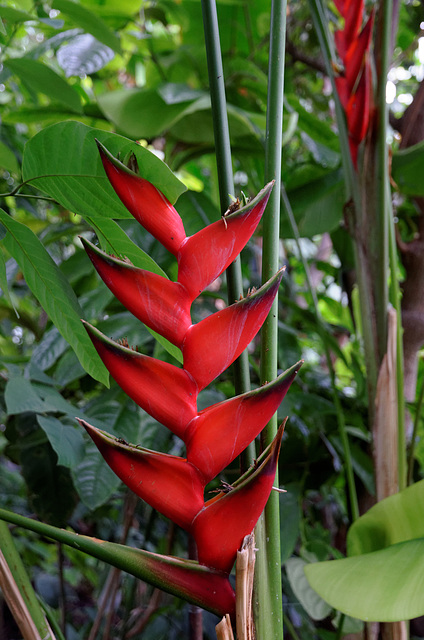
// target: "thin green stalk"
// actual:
[[350, 477], [225, 174], [404, 468], [415, 434], [20, 576], [268, 588]]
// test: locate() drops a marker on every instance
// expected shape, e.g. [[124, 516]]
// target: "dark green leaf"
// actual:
[[41, 79], [407, 170], [21, 397], [89, 21], [53, 292], [67, 441]]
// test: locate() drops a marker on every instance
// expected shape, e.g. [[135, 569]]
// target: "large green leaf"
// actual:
[[89, 21], [66, 440], [7, 158], [385, 585], [145, 113], [66, 154], [407, 170], [385, 582], [41, 79], [53, 292], [317, 206], [396, 519]]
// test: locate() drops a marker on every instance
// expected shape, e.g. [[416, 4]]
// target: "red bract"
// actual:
[[354, 86], [215, 436]]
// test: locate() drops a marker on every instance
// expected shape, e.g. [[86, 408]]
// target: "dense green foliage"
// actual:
[[129, 71]]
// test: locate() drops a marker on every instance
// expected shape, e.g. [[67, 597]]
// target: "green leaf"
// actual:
[[41, 79], [290, 518], [315, 606], [385, 585], [386, 581], [53, 292], [94, 481], [68, 154], [317, 206], [142, 113], [8, 159], [67, 441], [83, 55], [396, 519], [20, 397], [407, 170], [89, 21]]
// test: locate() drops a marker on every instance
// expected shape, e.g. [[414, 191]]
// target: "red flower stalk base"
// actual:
[[215, 436]]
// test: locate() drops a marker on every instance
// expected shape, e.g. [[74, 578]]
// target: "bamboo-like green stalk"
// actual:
[[268, 589], [417, 419], [23, 583], [224, 167]]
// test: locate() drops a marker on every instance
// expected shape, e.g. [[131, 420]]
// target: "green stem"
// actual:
[[415, 434], [404, 467], [22, 581], [268, 588], [225, 173]]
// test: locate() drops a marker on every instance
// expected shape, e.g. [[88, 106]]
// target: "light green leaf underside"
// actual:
[[384, 586], [66, 154]]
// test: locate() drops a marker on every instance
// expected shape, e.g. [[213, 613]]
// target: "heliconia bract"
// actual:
[[214, 436]]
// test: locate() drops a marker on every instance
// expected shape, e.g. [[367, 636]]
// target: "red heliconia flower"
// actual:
[[354, 85], [215, 436]]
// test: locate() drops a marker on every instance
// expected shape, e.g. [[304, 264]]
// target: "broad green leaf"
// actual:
[[53, 292], [317, 206], [384, 578], [15, 15], [83, 55], [114, 240], [49, 349], [89, 21], [67, 153], [142, 113], [385, 585], [41, 79], [396, 519], [407, 170], [94, 481], [67, 441], [313, 604], [8, 159], [290, 518], [20, 397]]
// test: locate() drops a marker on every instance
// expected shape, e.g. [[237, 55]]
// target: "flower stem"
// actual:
[[225, 174], [268, 589]]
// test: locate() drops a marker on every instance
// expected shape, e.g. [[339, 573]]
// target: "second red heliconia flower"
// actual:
[[354, 84], [215, 436]]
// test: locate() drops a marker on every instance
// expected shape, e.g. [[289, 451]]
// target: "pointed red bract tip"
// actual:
[[167, 393], [162, 305], [221, 337], [220, 527], [221, 432], [168, 483], [146, 203], [204, 256]]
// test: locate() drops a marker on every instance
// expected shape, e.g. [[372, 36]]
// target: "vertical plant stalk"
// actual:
[[225, 172], [268, 589], [18, 591]]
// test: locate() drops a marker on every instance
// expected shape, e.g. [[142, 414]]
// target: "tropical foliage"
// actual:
[[134, 76]]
